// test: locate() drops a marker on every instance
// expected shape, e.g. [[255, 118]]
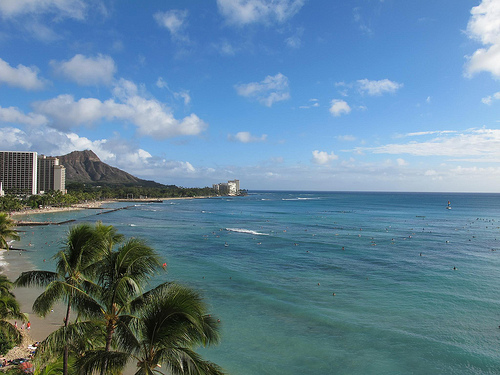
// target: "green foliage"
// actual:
[[6, 343], [81, 193], [7, 230], [103, 279]]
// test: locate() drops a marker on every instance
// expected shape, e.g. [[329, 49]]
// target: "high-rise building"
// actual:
[[18, 172], [51, 175], [233, 187], [26, 173], [229, 188]]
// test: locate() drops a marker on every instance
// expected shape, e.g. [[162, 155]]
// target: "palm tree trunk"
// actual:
[[66, 348], [109, 336]]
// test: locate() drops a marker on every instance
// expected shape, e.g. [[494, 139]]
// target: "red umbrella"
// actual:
[[27, 367]]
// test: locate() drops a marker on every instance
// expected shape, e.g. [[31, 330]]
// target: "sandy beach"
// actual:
[[17, 215]]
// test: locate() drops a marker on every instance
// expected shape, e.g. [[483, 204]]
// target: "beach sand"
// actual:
[[82, 206]]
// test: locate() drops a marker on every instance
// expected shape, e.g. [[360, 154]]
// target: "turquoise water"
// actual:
[[399, 307]]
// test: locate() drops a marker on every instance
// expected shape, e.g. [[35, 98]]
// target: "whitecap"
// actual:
[[247, 231]]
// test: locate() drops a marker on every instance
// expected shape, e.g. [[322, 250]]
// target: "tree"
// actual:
[[7, 231], [9, 309], [121, 276], [84, 246], [159, 327], [172, 320]]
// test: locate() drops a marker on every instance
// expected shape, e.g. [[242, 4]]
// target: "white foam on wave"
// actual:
[[299, 199], [247, 231]]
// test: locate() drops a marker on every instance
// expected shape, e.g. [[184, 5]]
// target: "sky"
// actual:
[[331, 95]]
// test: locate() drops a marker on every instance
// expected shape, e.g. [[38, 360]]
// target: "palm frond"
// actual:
[[183, 361], [35, 278], [96, 360], [11, 331]]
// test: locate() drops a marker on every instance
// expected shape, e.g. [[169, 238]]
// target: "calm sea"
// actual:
[[329, 283]]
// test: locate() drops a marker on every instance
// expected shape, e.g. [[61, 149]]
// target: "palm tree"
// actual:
[[6, 231], [84, 246], [162, 327], [9, 309], [121, 277], [172, 320]]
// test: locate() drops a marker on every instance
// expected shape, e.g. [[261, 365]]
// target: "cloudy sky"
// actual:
[[282, 94]]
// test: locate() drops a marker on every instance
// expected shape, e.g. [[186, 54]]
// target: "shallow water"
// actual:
[[399, 307]]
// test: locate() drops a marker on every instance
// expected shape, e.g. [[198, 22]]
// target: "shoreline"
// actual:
[[89, 206], [15, 261]]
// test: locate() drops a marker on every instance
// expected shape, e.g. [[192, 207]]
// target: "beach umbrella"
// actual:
[[27, 367]]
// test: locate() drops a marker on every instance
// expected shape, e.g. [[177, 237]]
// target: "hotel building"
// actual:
[[28, 173], [229, 188]]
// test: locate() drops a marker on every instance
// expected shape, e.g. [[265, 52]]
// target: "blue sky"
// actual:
[[381, 95]]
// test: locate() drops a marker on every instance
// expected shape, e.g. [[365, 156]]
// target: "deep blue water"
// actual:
[[399, 307]]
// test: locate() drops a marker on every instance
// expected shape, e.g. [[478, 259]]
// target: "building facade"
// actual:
[[28, 173], [229, 188], [18, 172], [50, 175]]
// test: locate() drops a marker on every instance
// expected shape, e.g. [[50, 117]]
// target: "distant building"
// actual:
[[18, 172], [233, 187], [28, 173], [51, 175], [229, 188]]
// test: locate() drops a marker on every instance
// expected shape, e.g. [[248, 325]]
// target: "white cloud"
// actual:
[[116, 152], [269, 91], [225, 48], [15, 116], [489, 99], [184, 95], [151, 117], [482, 144], [347, 138], [431, 132], [401, 162], [313, 104], [13, 139], [377, 88], [244, 12], [65, 8], [246, 137], [323, 157], [21, 76], [295, 41], [484, 26], [87, 70], [175, 22], [339, 107]]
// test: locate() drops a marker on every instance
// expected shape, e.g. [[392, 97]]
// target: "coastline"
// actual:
[[90, 205], [15, 261]]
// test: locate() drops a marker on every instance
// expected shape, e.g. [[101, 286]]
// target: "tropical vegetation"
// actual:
[[9, 310], [103, 279], [80, 193], [7, 231]]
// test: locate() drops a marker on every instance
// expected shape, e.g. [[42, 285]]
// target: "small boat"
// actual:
[[448, 207]]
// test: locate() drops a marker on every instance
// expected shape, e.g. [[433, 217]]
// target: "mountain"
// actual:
[[86, 167]]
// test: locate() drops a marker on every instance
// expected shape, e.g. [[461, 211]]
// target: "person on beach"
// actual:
[[28, 326], [15, 324]]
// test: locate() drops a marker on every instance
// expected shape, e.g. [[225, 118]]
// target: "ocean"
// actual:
[[327, 283]]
